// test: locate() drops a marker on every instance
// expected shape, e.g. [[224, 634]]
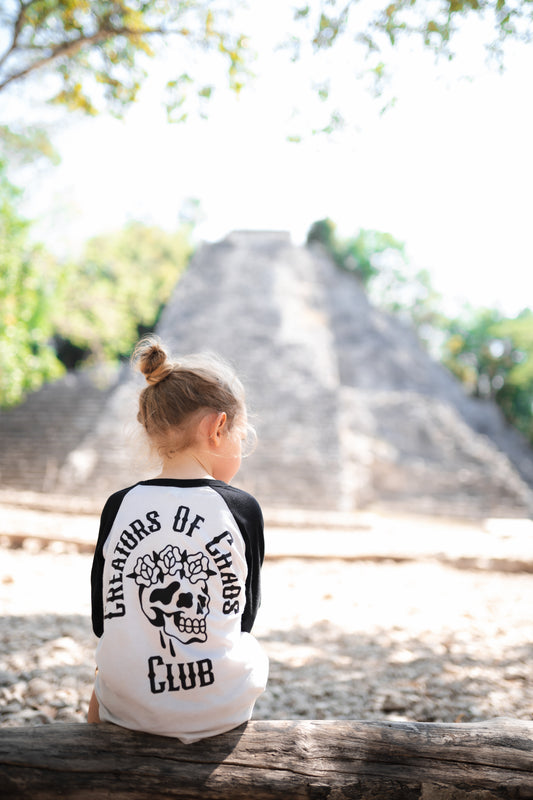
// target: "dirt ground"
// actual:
[[390, 630]]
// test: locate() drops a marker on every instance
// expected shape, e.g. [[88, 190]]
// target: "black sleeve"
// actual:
[[107, 518], [249, 517]]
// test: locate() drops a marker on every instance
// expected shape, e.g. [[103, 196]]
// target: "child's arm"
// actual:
[[93, 715]]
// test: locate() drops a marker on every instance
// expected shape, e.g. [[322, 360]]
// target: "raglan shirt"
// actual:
[[175, 591]]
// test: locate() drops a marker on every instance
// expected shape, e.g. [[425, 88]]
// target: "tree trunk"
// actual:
[[332, 759]]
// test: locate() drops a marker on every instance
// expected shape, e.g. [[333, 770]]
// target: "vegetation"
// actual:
[[28, 280], [98, 52], [435, 24], [379, 263], [490, 354], [116, 291], [57, 316], [359, 39], [493, 357], [358, 255]]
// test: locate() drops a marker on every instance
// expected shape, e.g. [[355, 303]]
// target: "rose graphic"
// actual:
[[146, 571], [170, 560], [197, 567]]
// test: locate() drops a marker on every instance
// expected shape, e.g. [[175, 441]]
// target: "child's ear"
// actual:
[[221, 425], [217, 427]]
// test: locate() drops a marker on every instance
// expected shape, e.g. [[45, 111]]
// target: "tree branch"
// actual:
[[70, 48], [16, 31]]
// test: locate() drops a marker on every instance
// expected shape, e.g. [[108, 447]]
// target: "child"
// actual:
[[176, 570]]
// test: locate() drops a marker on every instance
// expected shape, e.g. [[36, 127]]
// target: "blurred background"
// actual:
[[335, 196], [131, 132]]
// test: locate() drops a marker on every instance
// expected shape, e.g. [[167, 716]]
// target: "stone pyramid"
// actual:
[[350, 410]]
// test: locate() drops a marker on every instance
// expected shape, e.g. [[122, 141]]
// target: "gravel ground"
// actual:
[[346, 639]]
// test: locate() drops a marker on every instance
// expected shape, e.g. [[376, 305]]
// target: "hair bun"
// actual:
[[152, 360]]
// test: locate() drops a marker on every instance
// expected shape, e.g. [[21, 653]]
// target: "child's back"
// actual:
[[175, 591]]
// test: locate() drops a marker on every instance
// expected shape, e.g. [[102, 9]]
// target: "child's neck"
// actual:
[[184, 466]]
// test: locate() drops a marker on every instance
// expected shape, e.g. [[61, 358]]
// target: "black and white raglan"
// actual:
[[175, 592]]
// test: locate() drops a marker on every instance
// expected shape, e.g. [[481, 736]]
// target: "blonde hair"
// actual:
[[180, 393]]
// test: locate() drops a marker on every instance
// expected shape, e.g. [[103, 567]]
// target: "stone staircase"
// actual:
[[38, 437], [350, 410]]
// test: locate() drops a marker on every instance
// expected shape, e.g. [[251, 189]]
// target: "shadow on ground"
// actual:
[[322, 672], [316, 672]]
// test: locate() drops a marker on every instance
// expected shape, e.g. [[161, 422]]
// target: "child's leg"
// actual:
[[93, 715]]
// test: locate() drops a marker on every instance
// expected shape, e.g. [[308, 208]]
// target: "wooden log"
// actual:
[[332, 759]]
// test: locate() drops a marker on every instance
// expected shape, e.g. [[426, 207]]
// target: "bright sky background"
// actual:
[[448, 170]]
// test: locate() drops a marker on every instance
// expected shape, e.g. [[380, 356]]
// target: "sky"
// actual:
[[448, 169]]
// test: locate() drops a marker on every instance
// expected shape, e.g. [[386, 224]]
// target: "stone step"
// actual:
[[351, 412]]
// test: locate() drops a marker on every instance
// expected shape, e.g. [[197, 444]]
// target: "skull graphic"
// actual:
[[173, 592]]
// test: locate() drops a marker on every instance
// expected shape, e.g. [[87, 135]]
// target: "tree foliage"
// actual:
[[349, 44], [434, 22], [116, 291], [28, 280], [357, 254], [28, 145], [379, 262], [493, 356], [372, 28], [98, 51], [59, 315]]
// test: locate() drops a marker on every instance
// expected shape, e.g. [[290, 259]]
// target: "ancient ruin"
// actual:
[[351, 412]]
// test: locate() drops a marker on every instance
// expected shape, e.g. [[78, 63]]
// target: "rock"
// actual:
[[393, 702], [36, 688], [5, 678]]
